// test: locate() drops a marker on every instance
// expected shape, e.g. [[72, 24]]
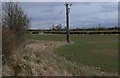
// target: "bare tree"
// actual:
[[57, 27], [15, 23], [15, 18]]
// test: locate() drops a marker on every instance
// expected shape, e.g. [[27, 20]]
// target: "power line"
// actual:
[[54, 18], [60, 14], [57, 16]]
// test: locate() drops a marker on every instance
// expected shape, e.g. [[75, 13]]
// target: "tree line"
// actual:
[[59, 27]]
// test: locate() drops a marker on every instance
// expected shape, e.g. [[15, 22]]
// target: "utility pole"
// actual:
[[67, 21]]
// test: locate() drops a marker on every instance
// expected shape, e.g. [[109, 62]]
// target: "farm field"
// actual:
[[99, 51]]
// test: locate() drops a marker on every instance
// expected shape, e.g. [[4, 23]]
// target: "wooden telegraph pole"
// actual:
[[67, 21]]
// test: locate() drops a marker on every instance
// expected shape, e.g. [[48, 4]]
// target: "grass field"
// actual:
[[92, 50]]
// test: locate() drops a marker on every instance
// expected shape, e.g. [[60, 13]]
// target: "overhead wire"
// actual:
[[54, 18], [57, 16], [51, 23]]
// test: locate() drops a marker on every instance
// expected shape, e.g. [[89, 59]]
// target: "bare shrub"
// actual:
[[15, 19], [15, 23], [8, 43]]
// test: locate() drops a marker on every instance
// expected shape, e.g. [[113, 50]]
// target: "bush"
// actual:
[[35, 32], [8, 43], [15, 23], [15, 19]]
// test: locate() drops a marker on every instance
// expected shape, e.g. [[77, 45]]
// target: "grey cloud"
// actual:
[[83, 14], [111, 6], [42, 4]]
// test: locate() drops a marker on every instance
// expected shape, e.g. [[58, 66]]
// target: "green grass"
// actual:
[[47, 37], [91, 50]]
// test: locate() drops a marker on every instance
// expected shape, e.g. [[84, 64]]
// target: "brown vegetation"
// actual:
[[15, 23], [8, 43]]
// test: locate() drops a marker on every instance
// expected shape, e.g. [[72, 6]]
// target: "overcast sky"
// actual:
[[82, 14]]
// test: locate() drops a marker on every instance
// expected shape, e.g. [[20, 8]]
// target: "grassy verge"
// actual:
[[92, 50], [95, 50], [47, 37]]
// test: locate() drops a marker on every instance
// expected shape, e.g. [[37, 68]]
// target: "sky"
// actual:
[[82, 14]]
